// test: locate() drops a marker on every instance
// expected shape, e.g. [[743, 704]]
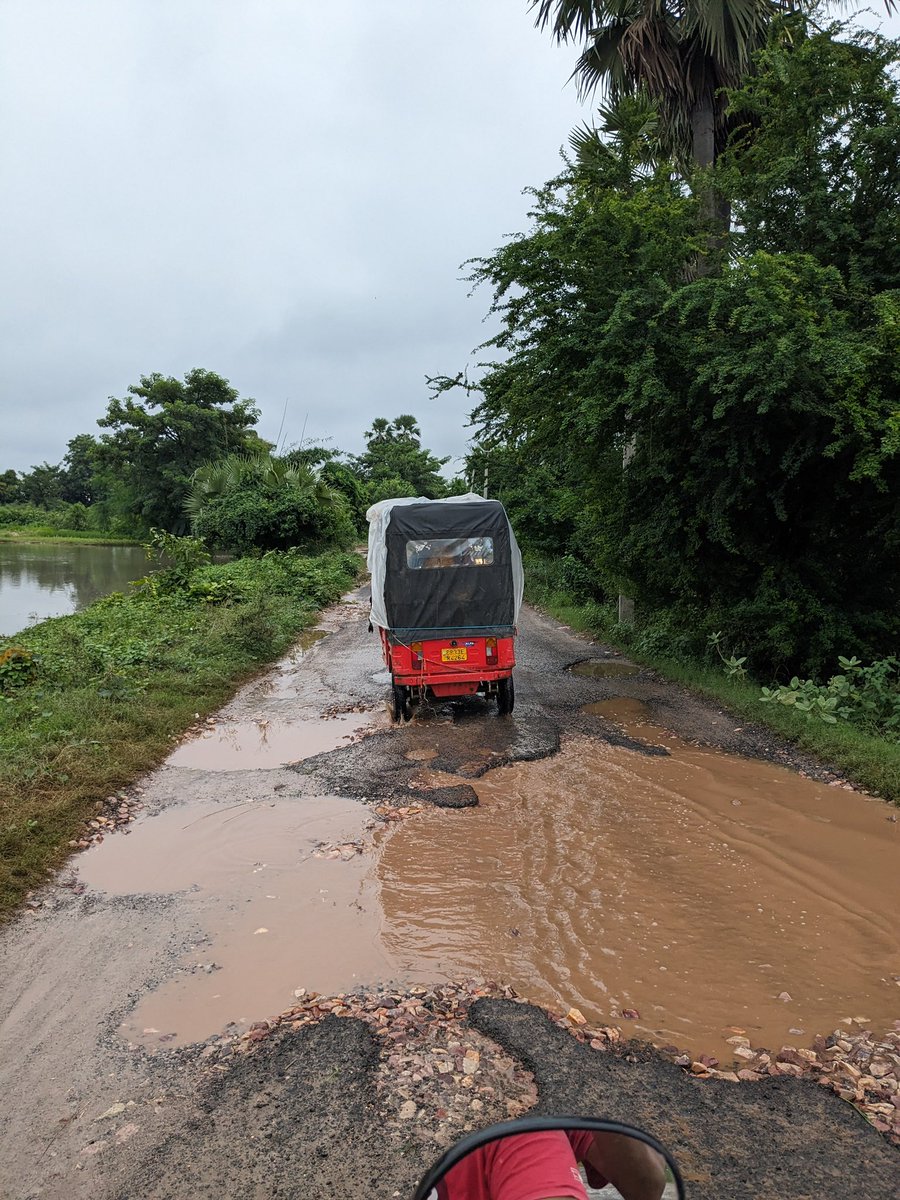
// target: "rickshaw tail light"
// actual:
[[416, 648], [490, 648]]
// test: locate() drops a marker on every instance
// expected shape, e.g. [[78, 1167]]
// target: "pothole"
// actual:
[[269, 743], [421, 755], [285, 894], [598, 668], [689, 895]]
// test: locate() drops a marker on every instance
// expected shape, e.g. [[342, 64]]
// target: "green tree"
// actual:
[[161, 432], [816, 167], [394, 452], [759, 406], [685, 56], [761, 495], [10, 491], [80, 484], [42, 485]]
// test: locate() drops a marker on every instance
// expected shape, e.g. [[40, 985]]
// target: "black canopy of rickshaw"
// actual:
[[474, 595]]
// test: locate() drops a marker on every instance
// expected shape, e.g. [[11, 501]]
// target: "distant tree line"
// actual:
[[183, 456]]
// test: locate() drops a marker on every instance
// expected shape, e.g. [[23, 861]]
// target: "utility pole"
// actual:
[[485, 492], [626, 603]]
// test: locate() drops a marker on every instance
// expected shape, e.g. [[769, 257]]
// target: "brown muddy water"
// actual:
[[266, 742], [701, 891], [599, 668], [684, 896], [279, 916]]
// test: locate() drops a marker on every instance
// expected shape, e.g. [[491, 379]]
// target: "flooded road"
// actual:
[[696, 894], [267, 741]]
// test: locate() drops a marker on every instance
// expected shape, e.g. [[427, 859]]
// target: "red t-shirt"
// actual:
[[526, 1166]]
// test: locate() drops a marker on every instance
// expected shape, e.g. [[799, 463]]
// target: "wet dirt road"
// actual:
[[610, 863]]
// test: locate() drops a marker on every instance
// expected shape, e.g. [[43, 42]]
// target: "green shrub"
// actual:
[[18, 666], [868, 697]]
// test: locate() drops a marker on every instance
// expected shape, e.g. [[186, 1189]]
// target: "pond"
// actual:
[[39, 581]]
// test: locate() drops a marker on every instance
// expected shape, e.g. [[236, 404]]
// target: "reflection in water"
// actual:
[[39, 581], [251, 745], [693, 892]]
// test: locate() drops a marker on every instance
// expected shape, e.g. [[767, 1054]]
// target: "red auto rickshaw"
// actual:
[[447, 585]]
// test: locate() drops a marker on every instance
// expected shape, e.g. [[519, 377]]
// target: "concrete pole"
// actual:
[[626, 603]]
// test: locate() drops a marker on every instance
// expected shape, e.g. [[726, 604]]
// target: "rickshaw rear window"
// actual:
[[450, 552]]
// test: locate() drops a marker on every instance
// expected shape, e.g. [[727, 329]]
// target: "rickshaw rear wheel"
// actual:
[[401, 707], [506, 696]]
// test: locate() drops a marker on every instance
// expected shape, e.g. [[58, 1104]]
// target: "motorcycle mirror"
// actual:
[[555, 1158]]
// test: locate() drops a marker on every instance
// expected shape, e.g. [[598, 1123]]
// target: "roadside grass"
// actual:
[[101, 695], [870, 762], [49, 534]]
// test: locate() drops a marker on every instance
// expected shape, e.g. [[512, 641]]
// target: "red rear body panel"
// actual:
[[455, 666]]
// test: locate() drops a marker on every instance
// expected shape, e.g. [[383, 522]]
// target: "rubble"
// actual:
[[861, 1068], [436, 1066], [110, 814]]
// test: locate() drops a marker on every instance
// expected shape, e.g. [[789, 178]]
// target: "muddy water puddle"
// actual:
[[270, 743], [598, 668], [683, 896], [698, 892], [279, 917]]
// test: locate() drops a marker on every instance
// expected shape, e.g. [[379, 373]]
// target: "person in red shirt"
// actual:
[[544, 1166]]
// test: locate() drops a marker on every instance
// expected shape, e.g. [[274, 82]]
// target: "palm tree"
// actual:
[[682, 53], [625, 146], [380, 432], [261, 471], [406, 428]]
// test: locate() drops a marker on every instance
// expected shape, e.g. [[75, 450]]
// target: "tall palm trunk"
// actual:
[[714, 208]]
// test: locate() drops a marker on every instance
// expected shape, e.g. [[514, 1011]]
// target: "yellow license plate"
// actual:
[[454, 654]]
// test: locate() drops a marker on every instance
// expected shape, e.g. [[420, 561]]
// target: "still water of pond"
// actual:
[[39, 581]]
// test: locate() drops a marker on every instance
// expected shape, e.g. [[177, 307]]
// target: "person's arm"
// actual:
[[632, 1167]]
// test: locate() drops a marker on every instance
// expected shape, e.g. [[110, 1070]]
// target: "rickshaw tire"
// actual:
[[401, 705], [506, 696]]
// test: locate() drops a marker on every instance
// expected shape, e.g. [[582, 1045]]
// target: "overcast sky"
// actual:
[[276, 190]]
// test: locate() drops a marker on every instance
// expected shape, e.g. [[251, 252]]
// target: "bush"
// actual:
[[18, 666], [248, 520], [24, 514], [868, 697]]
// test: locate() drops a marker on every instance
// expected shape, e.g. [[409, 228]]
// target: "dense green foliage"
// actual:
[[89, 701], [247, 502], [724, 447], [814, 167], [183, 455], [867, 696], [870, 759]]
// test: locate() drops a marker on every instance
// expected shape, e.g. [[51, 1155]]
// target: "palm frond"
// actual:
[[572, 20]]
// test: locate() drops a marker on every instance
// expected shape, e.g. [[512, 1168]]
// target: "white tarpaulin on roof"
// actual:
[[379, 517]]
